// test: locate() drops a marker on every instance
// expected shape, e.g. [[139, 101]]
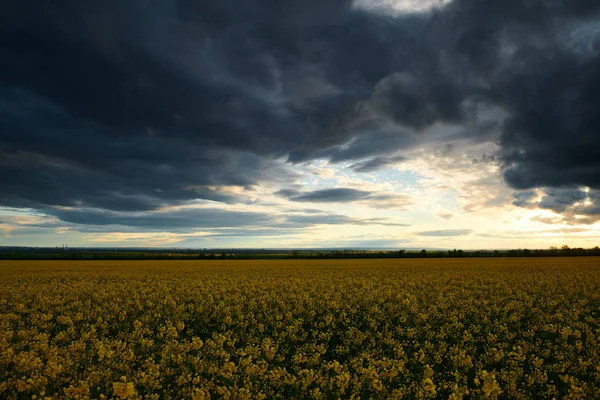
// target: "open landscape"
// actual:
[[299, 199], [509, 328]]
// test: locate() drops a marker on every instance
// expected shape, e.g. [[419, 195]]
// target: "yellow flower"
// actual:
[[123, 389]]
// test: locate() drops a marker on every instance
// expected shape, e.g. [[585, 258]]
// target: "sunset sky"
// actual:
[[291, 124]]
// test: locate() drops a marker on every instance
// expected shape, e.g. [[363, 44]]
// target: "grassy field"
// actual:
[[465, 328]]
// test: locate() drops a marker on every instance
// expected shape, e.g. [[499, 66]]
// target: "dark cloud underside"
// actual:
[[347, 195], [192, 219], [340, 195], [574, 205]]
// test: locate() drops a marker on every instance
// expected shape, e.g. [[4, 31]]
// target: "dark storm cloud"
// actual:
[[134, 105], [540, 62], [522, 199], [376, 163], [176, 219], [418, 100], [446, 232], [574, 205], [558, 200], [347, 195], [340, 195], [186, 220], [554, 140]]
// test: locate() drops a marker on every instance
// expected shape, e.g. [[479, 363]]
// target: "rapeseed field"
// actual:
[[415, 329]]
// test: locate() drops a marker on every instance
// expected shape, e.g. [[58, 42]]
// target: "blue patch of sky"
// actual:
[[384, 175], [404, 178]]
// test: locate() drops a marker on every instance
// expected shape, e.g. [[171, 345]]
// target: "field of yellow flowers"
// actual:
[[421, 328]]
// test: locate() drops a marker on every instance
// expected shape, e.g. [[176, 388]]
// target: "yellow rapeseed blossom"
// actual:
[[123, 390], [380, 329]]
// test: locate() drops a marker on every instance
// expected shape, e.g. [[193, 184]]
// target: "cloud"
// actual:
[[546, 220], [523, 199], [334, 219], [347, 195], [546, 234], [96, 102], [339, 195], [251, 233], [446, 232], [376, 163], [417, 100], [573, 205], [172, 220], [136, 106], [445, 215], [189, 219], [558, 200], [6, 230]]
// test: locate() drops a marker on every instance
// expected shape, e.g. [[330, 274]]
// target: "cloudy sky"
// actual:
[[262, 123]]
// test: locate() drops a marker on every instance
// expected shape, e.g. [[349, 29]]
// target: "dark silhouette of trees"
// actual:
[[33, 253]]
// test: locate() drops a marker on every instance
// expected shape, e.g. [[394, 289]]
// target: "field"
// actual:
[[465, 328]]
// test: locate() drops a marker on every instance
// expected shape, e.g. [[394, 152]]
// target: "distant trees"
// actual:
[[212, 254], [456, 253]]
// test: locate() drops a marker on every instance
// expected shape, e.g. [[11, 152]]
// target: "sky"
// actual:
[[468, 124]]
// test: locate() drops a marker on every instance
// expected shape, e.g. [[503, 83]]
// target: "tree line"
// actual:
[[240, 254]]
